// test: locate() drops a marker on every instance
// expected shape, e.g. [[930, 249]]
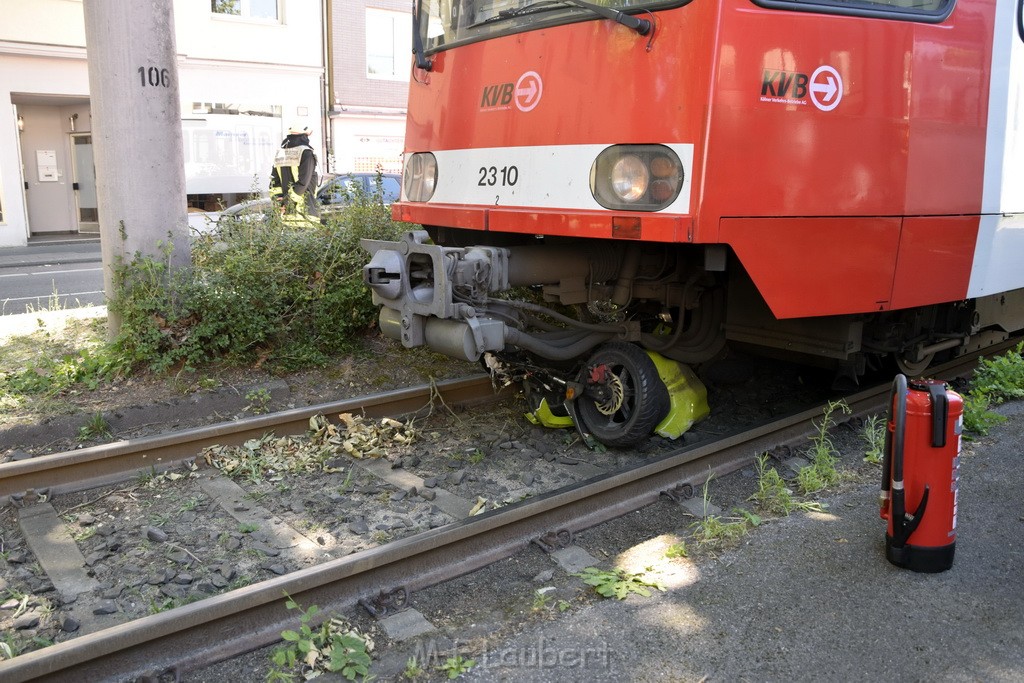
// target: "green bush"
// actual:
[[1001, 378], [995, 380], [258, 292]]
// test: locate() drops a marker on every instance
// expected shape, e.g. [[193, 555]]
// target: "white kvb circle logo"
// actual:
[[826, 88], [529, 88]]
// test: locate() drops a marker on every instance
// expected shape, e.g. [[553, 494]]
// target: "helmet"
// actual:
[[299, 129]]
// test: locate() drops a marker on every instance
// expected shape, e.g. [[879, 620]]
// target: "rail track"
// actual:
[[193, 636], [90, 467]]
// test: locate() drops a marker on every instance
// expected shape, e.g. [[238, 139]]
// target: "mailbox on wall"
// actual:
[[46, 165]]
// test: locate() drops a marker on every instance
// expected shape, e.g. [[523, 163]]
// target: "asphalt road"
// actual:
[[50, 277], [33, 288]]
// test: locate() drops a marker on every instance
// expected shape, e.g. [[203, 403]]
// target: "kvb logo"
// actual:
[[497, 96], [824, 87], [529, 88], [526, 93]]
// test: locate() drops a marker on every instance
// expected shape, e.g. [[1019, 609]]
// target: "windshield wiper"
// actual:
[[539, 6], [422, 62], [641, 26]]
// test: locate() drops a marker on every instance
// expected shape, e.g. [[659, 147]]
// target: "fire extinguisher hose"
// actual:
[[887, 452], [903, 525]]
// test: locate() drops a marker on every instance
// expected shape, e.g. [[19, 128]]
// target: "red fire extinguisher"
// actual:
[[920, 473]]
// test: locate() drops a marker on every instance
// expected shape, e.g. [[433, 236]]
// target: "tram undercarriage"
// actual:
[[586, 325]]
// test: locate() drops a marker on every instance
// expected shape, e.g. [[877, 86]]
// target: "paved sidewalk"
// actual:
[[812, 598]]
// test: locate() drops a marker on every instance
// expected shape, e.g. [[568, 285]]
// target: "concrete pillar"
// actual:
[[136, 129]]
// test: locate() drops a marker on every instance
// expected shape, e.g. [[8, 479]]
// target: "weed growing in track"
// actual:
[[333, 646], [259, 400], [159, 520], [715, 530], [617, 583], [413, 670], [823, 454], [13, 644], [94, 429], [676, 550], [454, 667], [873, 436], [541, 600], [773, 495]]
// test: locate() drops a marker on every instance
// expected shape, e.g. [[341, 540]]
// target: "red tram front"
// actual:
[[605, 186]]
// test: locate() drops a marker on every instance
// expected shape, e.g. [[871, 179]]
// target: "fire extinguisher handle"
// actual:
[[940, 414], [892, 465]]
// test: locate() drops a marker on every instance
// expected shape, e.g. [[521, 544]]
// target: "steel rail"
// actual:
[[99, 465], [195, 635], [190, 637]]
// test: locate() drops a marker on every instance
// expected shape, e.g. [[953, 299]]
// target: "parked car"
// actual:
[[338, 191], [334, 193]]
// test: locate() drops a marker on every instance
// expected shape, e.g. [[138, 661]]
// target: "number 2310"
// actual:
[[491, 176]]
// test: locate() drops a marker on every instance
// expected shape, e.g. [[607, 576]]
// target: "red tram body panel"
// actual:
[[835, 179]]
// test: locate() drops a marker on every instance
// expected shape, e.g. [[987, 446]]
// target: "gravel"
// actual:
[[161, 541]]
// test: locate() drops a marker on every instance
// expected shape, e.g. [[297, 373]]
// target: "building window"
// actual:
[[237, 109], [250, 9], [388, 44]]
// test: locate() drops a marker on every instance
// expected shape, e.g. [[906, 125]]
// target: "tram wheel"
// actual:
[[624, 399]]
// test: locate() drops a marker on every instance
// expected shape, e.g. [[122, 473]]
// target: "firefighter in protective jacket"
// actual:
[[293, 179]]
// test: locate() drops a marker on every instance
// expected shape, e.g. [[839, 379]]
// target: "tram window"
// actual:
[[1020, 19], [932, 11]]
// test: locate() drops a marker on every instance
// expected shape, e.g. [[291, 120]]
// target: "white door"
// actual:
[[84, 184]]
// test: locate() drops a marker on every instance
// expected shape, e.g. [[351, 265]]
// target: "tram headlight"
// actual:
[[419, 177], [636, 177], [629, 178]]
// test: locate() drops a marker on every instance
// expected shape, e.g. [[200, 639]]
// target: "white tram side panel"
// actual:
[[999, 254]]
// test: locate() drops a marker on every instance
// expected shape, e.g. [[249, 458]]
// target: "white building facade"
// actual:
[[247, 70]]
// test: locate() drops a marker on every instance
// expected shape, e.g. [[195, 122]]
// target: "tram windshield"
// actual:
[[442, 23]]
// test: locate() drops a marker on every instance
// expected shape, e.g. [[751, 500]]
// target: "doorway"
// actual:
[[84, 183], [52, 167]]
